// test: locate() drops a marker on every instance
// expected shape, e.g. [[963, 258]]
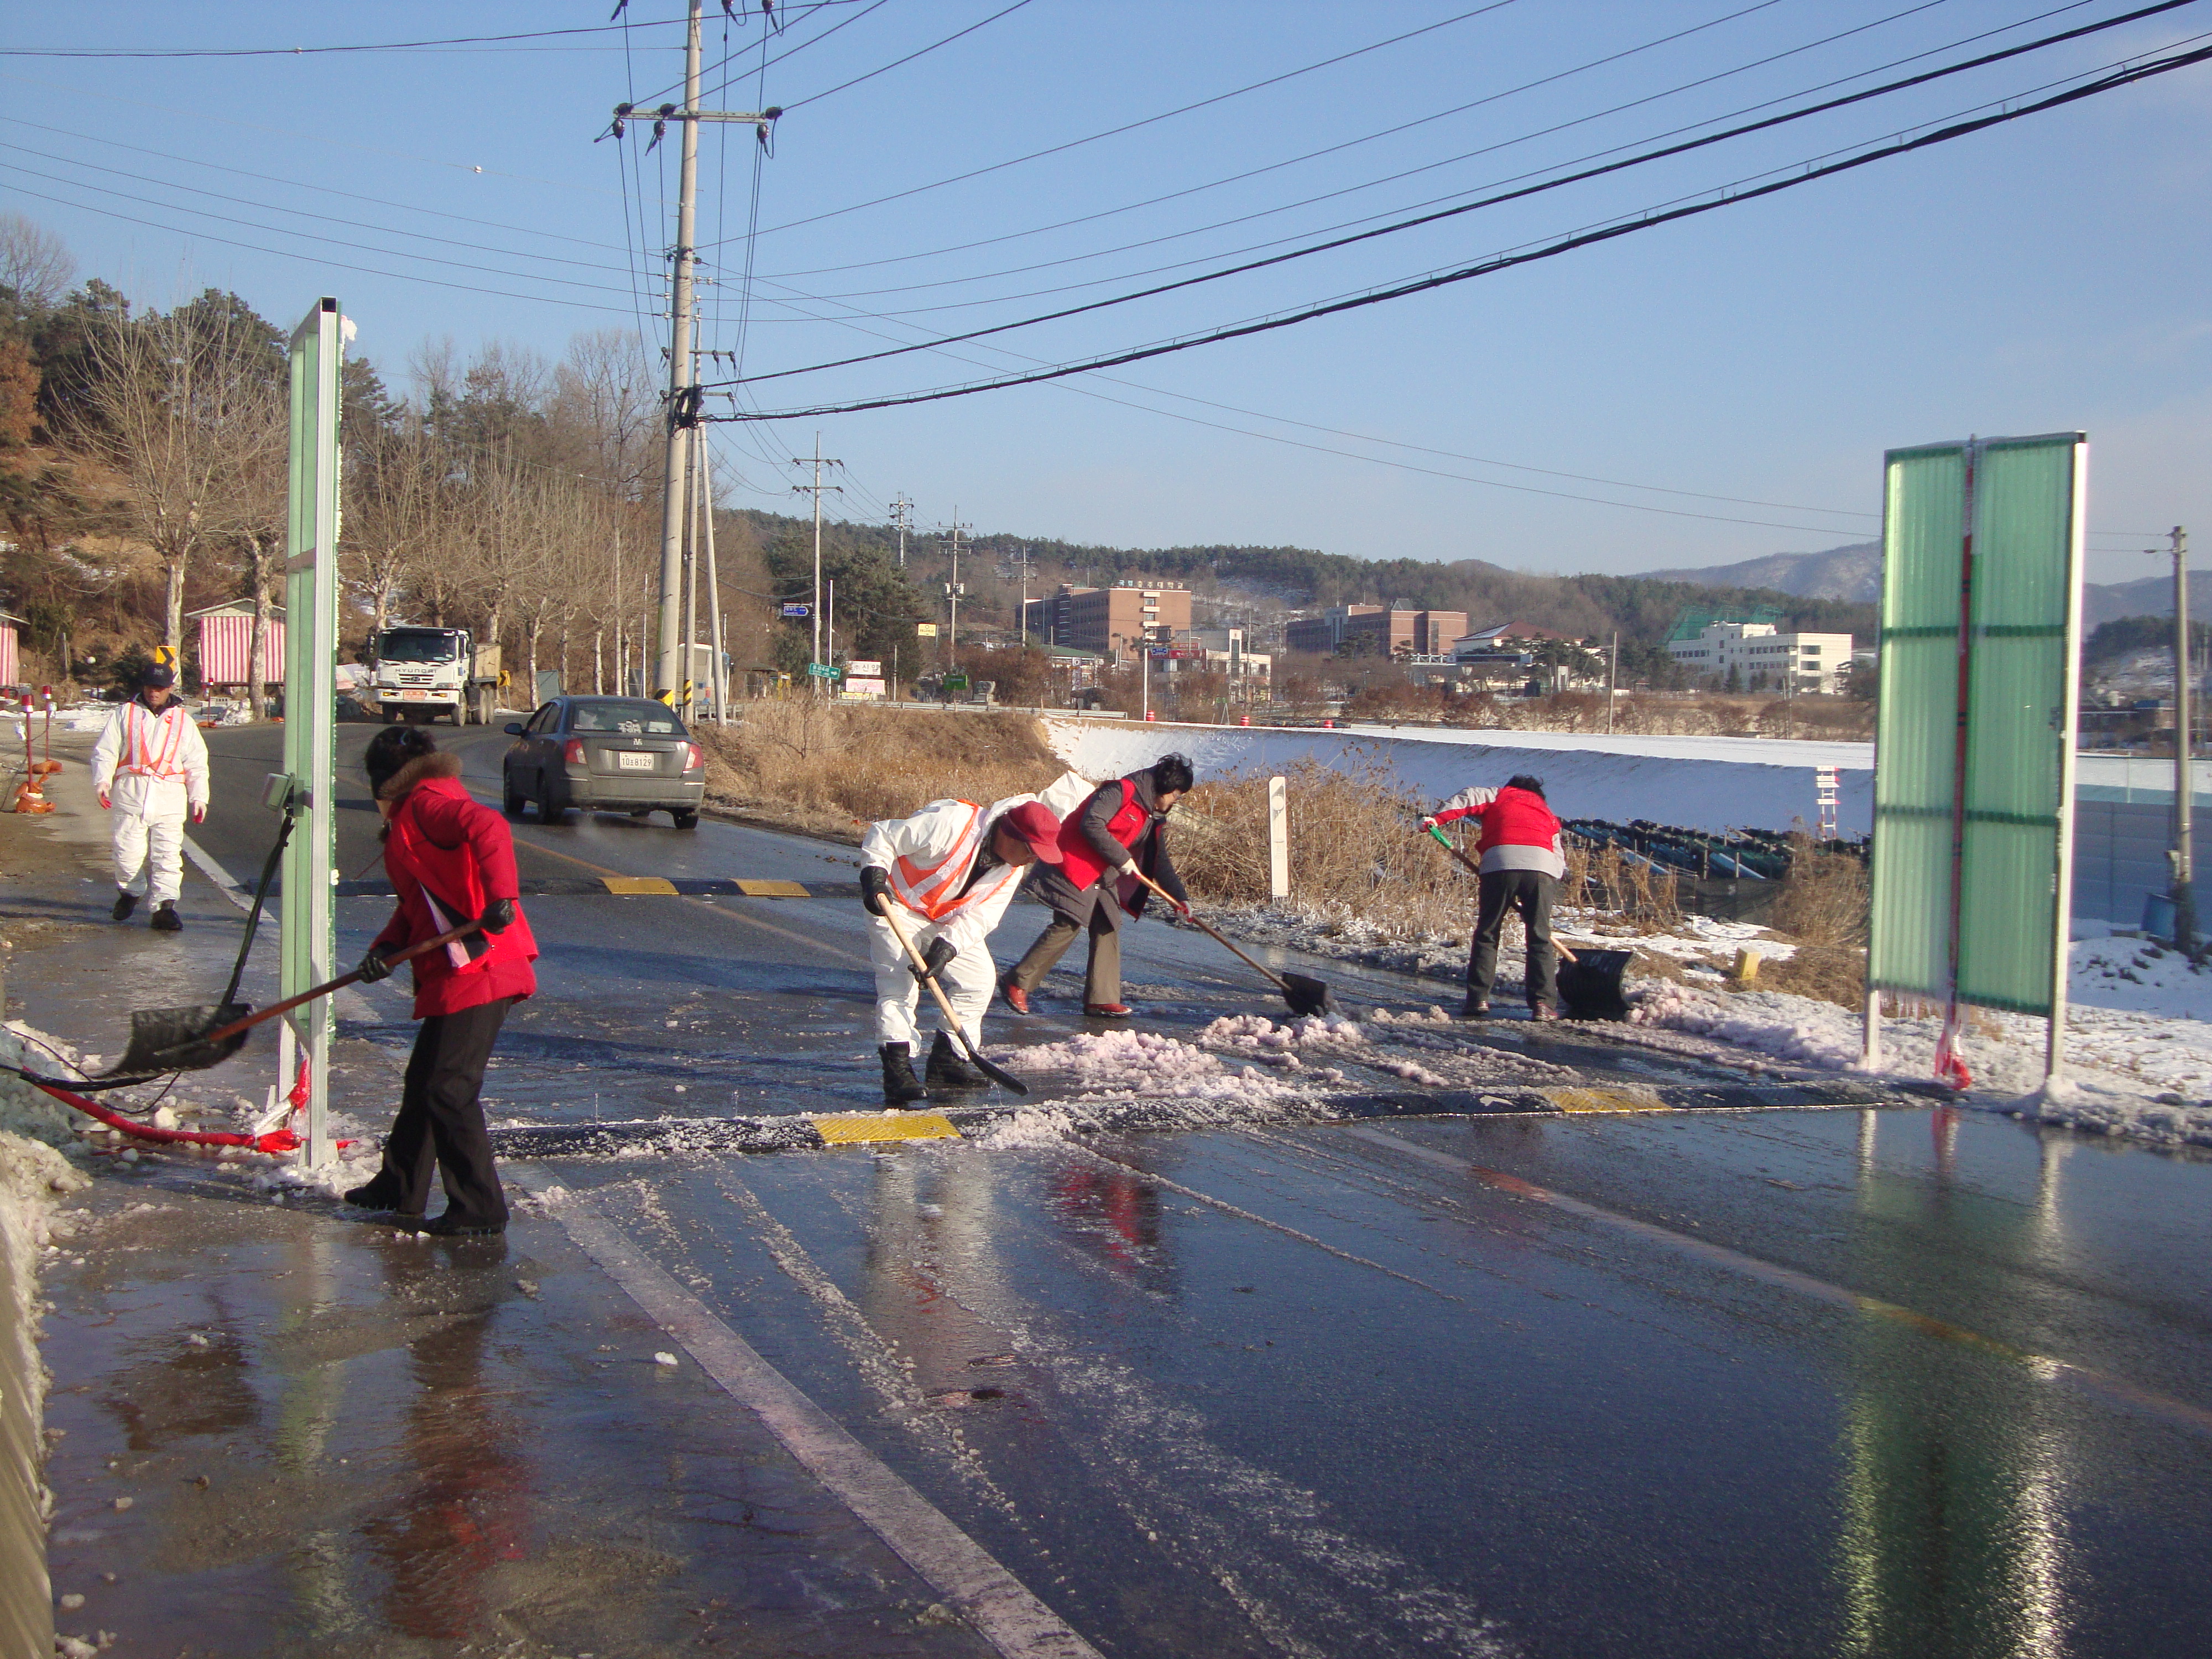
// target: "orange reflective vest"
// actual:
[[151, 742]]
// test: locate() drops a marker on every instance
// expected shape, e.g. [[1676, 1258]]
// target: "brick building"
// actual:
[[1111, 621], [1369, 631]]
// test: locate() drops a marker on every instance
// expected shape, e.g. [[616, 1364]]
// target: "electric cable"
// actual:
[[1641, 159], [1650, 220], [897, 62]]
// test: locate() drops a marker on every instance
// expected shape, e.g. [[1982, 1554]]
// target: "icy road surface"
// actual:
[[1899, 1381]]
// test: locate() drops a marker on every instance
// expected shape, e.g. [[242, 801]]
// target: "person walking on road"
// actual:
[[451, 859], [1120, 831], [1522, 858], [949, 872], [150, 767]]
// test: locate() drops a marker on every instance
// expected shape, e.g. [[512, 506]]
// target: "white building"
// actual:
[[1763, 659]]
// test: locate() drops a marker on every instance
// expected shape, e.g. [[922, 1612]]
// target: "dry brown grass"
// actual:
[[829, 770], [1822, 909], [1355, 853]]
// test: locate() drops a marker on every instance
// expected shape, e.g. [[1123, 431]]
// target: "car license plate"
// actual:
[[634, 760], [415, 696]]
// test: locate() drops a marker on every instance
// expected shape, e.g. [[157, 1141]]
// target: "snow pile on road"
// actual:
[[1791, 1027], [1327, 1034], [1146, 1065]]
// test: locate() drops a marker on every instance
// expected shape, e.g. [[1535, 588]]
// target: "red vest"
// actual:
[[1082, 865], [1518, 817]]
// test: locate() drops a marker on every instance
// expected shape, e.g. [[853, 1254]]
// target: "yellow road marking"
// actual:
[[1604, 1100], [853, 1128], [752, 888], [660, 885]]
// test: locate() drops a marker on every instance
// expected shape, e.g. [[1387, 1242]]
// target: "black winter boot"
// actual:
[[900, 1083], [947, 1070], [126, 902], [166, 919]]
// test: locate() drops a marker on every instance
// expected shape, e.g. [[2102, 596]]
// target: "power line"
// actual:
[[315, 51], [1489, 267], [1148, 120], [815, 98], [1641, 159]]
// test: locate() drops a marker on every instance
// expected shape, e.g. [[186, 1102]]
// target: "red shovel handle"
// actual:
[[341, 982]]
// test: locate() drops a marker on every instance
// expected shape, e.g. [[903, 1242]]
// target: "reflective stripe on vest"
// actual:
[[935, 891], [139, 757]]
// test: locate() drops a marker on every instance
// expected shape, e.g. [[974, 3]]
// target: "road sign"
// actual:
[[822, 670], [955, 682], [799, 610], [866, 670]]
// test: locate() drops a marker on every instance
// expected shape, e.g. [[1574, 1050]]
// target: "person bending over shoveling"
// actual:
[[1120, 831], [1522, 858], [947, 875], [150, 768], [451, 860]]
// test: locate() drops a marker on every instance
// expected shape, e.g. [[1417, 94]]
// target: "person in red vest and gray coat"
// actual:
[[1120, 831], [1521, 860], [451, 859]]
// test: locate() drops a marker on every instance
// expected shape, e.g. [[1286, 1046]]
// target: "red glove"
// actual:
[[103, 802], [200, 813]]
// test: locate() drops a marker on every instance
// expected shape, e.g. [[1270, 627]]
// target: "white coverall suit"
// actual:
[[929, 858], [152, 768]]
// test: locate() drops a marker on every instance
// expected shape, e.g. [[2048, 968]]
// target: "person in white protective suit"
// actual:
[[948, 874], [150, 769]]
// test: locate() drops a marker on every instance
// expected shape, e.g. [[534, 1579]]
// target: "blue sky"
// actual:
[[2048, 274]]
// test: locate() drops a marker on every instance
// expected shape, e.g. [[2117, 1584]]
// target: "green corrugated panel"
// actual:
[[1914, 727], [2017, 721]]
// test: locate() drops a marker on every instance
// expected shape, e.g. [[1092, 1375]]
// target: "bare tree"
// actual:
[[177, 399], [34, 262]]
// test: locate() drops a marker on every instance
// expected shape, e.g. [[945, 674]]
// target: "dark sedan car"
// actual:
[[604, 755]]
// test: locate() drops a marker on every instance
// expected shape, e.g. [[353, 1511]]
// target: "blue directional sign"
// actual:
[[799, 610]]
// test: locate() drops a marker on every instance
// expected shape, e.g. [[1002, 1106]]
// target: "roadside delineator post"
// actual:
[[1279, 838]]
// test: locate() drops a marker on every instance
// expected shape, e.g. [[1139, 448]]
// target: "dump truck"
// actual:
[[420, 673]]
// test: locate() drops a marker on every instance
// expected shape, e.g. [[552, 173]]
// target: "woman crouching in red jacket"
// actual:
[[451, 859]]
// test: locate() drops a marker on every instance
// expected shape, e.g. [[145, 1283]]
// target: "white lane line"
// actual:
[[350, 1002], [990, 1598]]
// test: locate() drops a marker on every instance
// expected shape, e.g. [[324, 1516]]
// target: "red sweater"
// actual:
[[444, 848]]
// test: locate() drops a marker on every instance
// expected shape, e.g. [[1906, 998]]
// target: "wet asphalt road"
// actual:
[[1883, 1383]]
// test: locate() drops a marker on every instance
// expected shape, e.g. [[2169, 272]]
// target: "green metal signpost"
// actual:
[[1980, 654], [308, 949]]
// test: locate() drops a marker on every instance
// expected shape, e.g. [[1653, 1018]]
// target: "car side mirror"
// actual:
[[514, 728]]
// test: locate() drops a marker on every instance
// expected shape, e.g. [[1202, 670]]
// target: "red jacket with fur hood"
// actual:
[[448, 856]]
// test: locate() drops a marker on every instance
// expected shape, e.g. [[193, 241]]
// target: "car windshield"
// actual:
[[417, 645], [636, 718]]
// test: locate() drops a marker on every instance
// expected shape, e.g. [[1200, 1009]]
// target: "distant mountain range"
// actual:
[[1853, 574]]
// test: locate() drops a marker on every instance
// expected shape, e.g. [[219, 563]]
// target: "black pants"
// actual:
[[440, 1126], [1528, 892]]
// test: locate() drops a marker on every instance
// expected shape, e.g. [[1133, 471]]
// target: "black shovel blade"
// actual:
[[1593, 985], [175, 1040], [1305, 995], [998, 1074]]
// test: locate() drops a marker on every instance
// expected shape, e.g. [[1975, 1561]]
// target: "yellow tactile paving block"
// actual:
[[853, 1129], [656, 884], [752, 888], [1631, 1099]]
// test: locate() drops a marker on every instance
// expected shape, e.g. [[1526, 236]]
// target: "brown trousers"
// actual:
[[1101, 975]]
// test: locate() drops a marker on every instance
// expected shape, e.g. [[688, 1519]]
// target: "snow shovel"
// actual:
[[1305, 995], [999, 1075], [1591, 986], [164, 1040]]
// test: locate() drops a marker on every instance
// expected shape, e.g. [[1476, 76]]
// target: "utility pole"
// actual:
[[816, 488], [1611, 682], [683, 384], [2184, 896], [952, 594], [719, 670], [902, 521], [1023, 613]]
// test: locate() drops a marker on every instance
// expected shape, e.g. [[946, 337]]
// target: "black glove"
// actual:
[[374, 968], [935, 960], [875, 887], [498, 916]]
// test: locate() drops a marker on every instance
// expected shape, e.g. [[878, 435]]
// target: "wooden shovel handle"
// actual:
[[341, 982], [1218, 937]]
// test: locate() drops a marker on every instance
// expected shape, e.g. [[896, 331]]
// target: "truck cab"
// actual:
[[422, 672]]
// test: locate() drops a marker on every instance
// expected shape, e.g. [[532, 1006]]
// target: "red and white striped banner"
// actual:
[[7, 653], [225, 646]]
